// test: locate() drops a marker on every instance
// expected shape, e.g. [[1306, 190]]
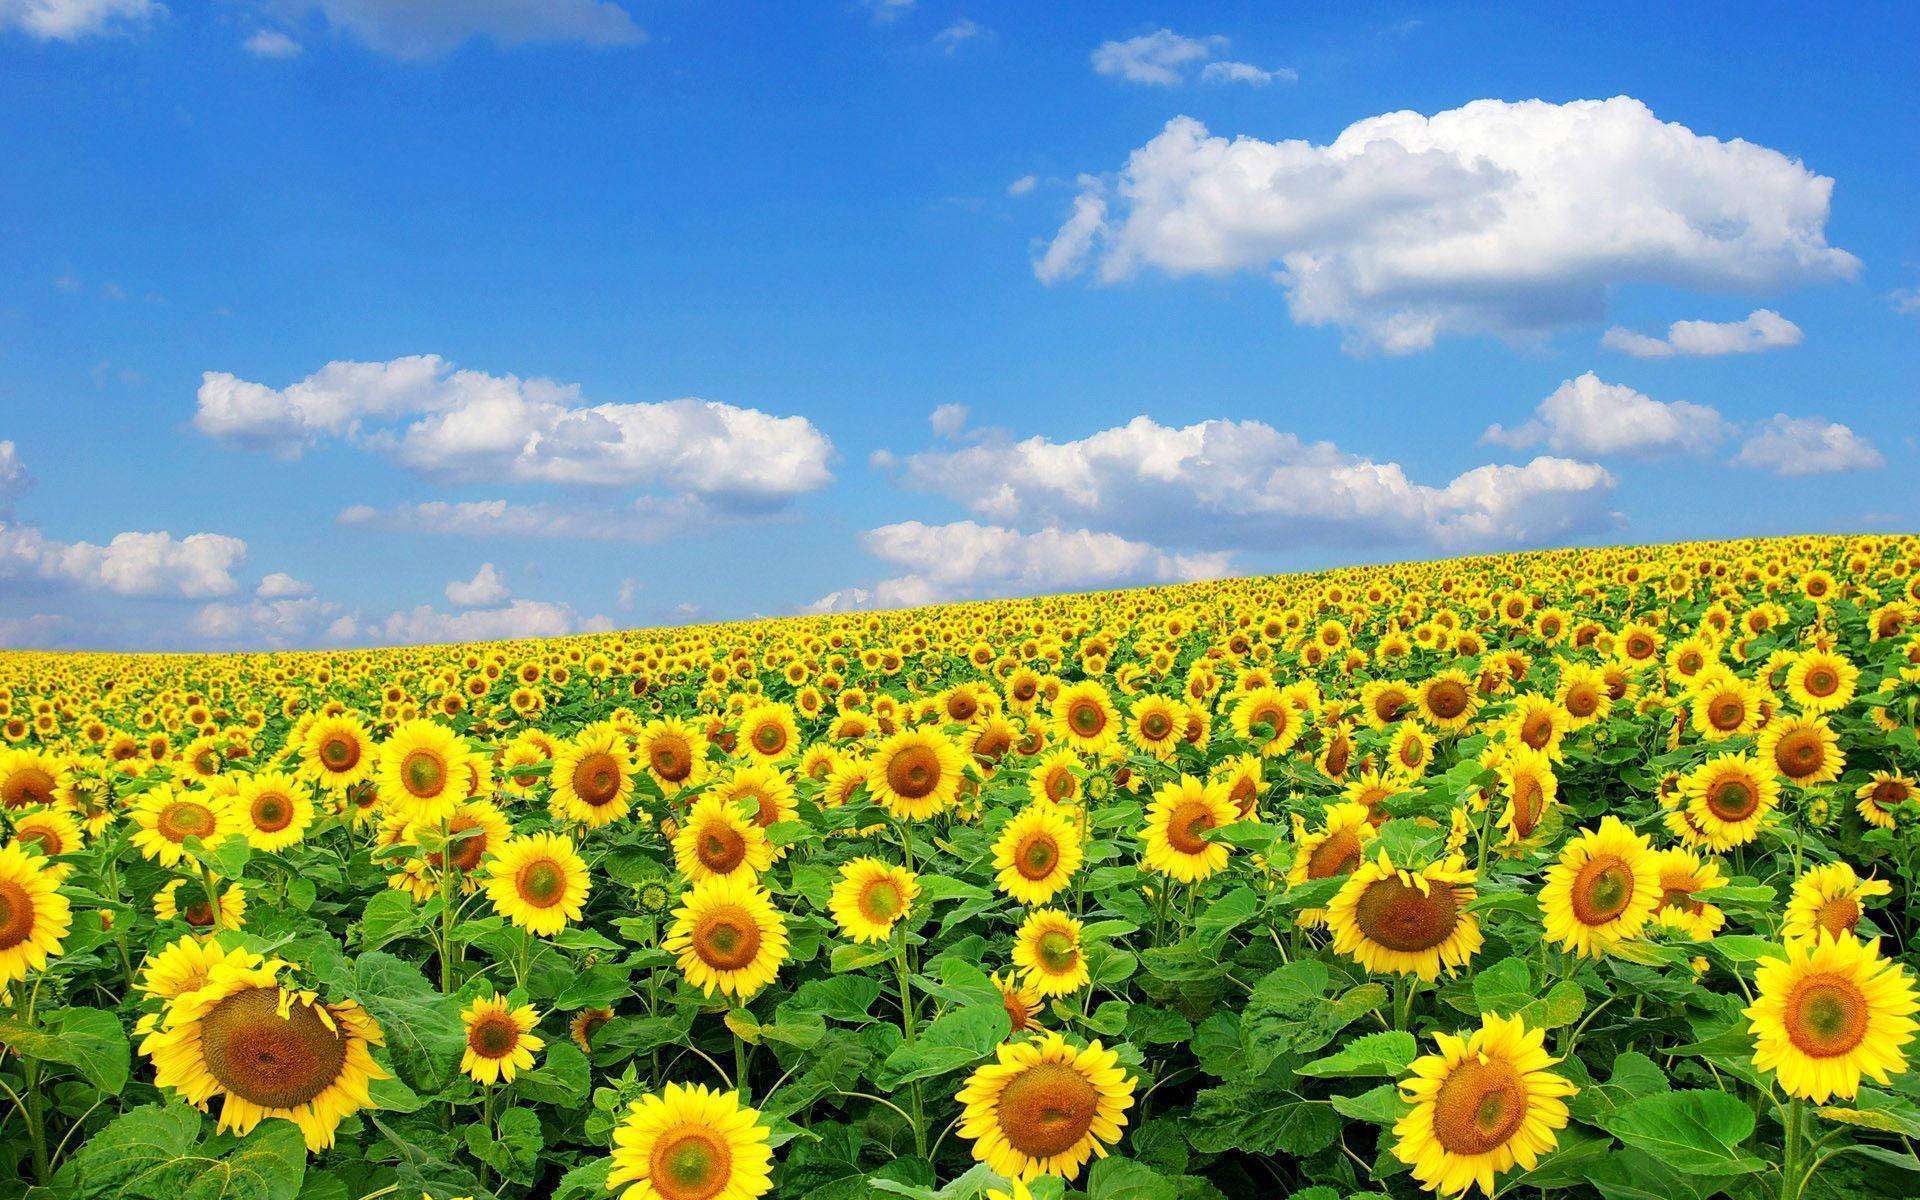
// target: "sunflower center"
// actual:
[[185, 819], [340, 753], [28, 785], [494, 1036], [721, 848], [1447, 699], [1086, 718], [1838, 915], [272, 812], [274, 1061], [1400, 916], [541, 883], [1046, 1109], [1060, 783], [769, 738], [1156, 726], [1016, 1010], [1057, 951], [881, 902], [596, 778], [1582, 701], [1481, 1105], [1826, 1015], [1799, 754], [1732, 800], [1037, 857], [1338, 755], [1726, 713], [1821, 682], [689, 1163], [424, 774], [1187, 826], [16, 914], [1679, 894], [467, 852], [727, 939], [40, 837], [1336, 855], [670, 760], [1537, 731], [914, 772], [1244, 794], [1602, 890], [1889, 793]]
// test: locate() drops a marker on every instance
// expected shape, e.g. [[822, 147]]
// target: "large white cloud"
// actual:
[[1246, 485], [1589, 417], [484, 590], [1509, 218], [413, 29], [968, 560], [1762, 329], [1794, 446], [470, 426], [156, 564], [517, 619], [72, 20]]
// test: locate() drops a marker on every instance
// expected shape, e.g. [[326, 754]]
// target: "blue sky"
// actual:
[[672, 311]]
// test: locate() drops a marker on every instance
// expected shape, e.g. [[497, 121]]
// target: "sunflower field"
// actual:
[[1584, 873]]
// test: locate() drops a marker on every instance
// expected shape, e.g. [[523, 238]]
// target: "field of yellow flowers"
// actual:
[[1584, 872]]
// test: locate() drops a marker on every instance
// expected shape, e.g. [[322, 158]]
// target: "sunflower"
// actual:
[[1582, 694], [593, 777], [1829, 1012], [1339, 846], [1538, 723], [1682, 873], [538, 882], [1822, 681], [1447, 701], [422, 772], [181, 967], [728, 937], [1410, 752], [1531, 787], [30, 778], [265, 1051], [1723, 706], [500, 1039], [34, 916], [1482, 1104], [915, 774], [1603, 890], [871, 898], [586, 1023], [1406, 922], [1178, 821], [1242, 776], [186, 900], [1372, 790], [1022, 1001], [1044, 1107], [335, 753], [1084, 717], [1829, 899], [1056, 777], [1880, 795], [674, 753], [48, 832], [166, 818], [691, 1142], [1048, 951], [1727, 797], [1154, 726], [478, 828], [769, 731], [1036, 854], [716, 840], [274, 810], [1270, 709], [1802, 750]]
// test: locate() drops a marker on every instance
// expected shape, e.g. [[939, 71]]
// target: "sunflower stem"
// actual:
[[211, 882], [447, 870], [1791, 1152], [904, 974]]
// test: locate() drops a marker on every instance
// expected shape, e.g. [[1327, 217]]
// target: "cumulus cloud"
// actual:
[[13, 472], [291, 621], [949, 40], [73, 20], [968, 560], [1762, 329], [1247, 485], [131, 564], [1795, 446], [948, 420], [1506, 218], [1160, 58], [1023, 185], [279, 585], [518, 619], [470, 426], [409, 29], [1589, 417], [484, 590], [885, 12], [271, 43], [1247, 73]]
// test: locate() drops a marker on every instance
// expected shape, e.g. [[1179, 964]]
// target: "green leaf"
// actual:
[[1634, 1075], [1379, 1106], [90, 1040], [1386, 1053], [1564, 1003], [563, 1079], [1504, 988], [422, 1027], [1693, 1132], [267, 1165], [1128, 1179], [139, 1153]]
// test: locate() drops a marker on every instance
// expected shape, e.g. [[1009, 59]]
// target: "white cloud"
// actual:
[[1247, 73], [413, 29], [1589, 417], [1762, 329], [469, 426], [949, 40], [1508, 218], [519, 619], [968, 560], [1246, 485], [1023, 185], [293, 621], [271, 43], [279, 585], [13, 473], [643, 521], [885, 12], [1906, 300], [484, 590], [197, 566], [1159, 58], [948, 420], [72, 20], [629, 589], [1794, 446]]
